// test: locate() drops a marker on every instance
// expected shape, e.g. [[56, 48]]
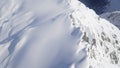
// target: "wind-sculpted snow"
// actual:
[[100, 38], [55, 34], [34, 35]]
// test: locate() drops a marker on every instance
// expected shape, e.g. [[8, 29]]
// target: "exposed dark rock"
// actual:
[[85, 38], [116, 41], [93, 42], [114, 36], [114, 58]]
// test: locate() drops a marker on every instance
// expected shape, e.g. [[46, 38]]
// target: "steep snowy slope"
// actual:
[[56, 34], [113, 17], [101, 38]]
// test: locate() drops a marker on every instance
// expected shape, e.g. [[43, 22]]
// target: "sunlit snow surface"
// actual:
[[55, 34]]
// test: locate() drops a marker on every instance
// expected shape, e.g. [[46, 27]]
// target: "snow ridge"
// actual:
[[101, 38]]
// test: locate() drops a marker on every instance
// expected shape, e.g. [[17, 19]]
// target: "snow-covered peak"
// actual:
[[101, 38], [113, 6], [56, 34], [113, 17]]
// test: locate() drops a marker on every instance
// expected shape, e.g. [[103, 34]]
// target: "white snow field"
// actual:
[[56, 34]]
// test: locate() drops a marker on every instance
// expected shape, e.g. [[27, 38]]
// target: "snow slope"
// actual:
[[113, 17], [100, 37], [56, 34]]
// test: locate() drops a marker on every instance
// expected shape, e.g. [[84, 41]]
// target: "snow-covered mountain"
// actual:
[[114, 5], [56, 34], [113, 17]]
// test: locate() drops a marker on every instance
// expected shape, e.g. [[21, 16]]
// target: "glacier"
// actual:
[[56, 34]]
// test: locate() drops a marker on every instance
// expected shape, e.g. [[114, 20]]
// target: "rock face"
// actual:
[[56, 34]]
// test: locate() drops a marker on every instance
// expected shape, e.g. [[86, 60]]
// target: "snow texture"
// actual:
[[56, 34]]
